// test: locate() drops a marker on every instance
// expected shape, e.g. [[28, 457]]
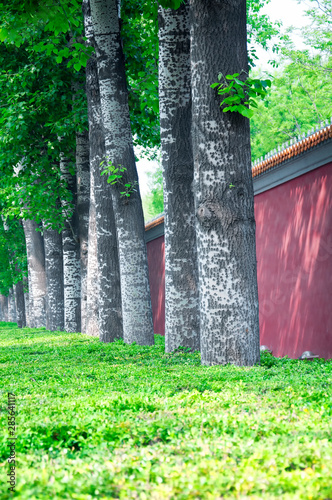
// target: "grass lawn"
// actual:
[[99, 421]]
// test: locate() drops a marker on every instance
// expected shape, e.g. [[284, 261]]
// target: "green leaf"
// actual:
[[170, 4]]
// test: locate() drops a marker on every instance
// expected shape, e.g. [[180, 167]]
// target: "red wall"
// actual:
[[294, 254], [294, 259], [156, 262]]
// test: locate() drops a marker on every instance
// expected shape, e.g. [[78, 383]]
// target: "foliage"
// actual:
[[19, 17], [139, 31], [300, 96], [64, 22], [153, 202], [298, 101], [116, 175], [99, 421], [36, 109], [61, 30], [241, 95], [318, 34], [171, 4], [13, 259], [261, 31]]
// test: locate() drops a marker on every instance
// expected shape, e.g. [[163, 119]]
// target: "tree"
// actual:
[[42, 90], [135, 293], [37, 277], [181, 273], [261, 31], [54, 280], [224, 200], [4, 307], [13, 264], [105, 297], [83, 207], [71, 254], [49, 39]]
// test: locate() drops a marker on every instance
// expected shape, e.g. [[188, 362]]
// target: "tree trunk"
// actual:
[[224, 199], [181, 273], [107, 295], [26, 300], [11, 306], [83, 195], [2, 302], [20, 305], [18, 287], [135, 292], [4, 307], [92, 326], [36, 271], [54, 280], [71, 257]]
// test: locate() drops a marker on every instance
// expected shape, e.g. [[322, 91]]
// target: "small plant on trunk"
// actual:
[[241, 95], [115, 176]]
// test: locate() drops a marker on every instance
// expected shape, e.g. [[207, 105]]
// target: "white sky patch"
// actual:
[[290, 13], [144, 167]]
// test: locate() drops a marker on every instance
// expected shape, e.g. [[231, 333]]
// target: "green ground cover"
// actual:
[[101, 421]]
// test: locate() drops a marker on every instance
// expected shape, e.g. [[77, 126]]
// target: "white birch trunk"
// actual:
[[181, 273], [223, 189], [54, 280], [71, 257], [135, 291], [106, 297], [83, 195], [36, 272]]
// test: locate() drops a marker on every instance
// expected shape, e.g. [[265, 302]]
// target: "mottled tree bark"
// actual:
[[71, 257], [135, 292], [181, 273], [107, 295], [224, 197], [92, 326], [54, 280], [26, 300], [20, 305], [83, 195], [36, 272], [11, 306], [12, 301]]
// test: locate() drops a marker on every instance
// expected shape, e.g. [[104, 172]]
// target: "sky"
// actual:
[[290, 13]]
